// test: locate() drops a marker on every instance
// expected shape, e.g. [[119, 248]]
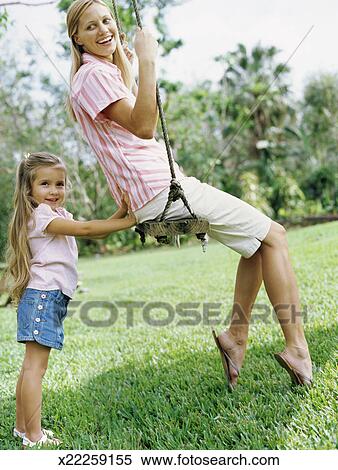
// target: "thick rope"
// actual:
[[176, 192], [162, 229], [117, 19], [159, 104]]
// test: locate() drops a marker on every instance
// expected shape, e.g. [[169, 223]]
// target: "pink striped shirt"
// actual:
[[137, 166]]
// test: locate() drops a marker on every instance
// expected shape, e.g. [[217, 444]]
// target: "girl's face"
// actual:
[[97, 31], [49, 185]]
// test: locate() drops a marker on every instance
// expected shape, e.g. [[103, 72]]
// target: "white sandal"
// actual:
[[17, 433], [45, 440]]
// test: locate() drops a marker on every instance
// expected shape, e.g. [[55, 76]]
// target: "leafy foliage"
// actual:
[[320, 117], [244, 134], [321, 185], [4, 18]]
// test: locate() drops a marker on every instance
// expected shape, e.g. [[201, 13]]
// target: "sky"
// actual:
[[210, 28]]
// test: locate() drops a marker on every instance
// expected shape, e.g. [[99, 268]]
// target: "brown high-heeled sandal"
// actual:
[[296, 377], [226, 363]]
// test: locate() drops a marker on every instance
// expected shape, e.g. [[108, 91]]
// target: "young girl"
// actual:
[[42, 256], [120, 125]]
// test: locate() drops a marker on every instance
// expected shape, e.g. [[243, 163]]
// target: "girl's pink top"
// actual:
[[133, 165], [54, 257]]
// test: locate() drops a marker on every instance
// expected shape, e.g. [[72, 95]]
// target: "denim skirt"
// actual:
[[40, 317]]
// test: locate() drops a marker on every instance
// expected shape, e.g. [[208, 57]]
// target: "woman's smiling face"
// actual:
[[97, 31]]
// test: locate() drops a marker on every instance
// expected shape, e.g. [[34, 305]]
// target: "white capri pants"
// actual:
[[233, 222]]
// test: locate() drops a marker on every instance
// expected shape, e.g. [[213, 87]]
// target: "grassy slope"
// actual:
[[147, 387]]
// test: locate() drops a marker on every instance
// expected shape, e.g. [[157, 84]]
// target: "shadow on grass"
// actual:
[[183, 403]]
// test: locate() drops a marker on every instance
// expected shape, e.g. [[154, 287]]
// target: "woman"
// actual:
[[120, 127]]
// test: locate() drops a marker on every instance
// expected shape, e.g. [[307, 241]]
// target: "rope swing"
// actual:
[[161, 228]]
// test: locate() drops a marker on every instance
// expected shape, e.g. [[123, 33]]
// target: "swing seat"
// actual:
[[166, 229]]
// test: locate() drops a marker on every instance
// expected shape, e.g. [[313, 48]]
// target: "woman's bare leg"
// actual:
[[248, 282], [34, 367], [281, 287], [280, 283]]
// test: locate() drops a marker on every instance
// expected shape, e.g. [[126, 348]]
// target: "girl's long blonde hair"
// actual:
[[120, 59], [18, 254]]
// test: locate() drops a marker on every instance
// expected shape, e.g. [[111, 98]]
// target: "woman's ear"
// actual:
[[77, 40]]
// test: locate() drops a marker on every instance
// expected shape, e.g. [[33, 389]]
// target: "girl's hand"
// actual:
[[132, 219], [126, 202], [123, 209], [127, 51]]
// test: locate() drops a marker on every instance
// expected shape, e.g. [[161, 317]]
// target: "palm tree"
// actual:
[[257, 97]]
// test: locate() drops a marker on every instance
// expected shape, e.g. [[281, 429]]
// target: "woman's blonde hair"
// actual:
[[76, 9], [18, 254]]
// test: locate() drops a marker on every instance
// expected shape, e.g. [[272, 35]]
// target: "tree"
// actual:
[[3, 21], [319, 129], [244, 125], [319, 110], [257, 98]]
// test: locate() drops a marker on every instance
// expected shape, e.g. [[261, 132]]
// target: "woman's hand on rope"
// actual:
[[129, 53], [145, 44]]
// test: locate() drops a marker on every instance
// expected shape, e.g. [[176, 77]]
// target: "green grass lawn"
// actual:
[[149, 387]]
